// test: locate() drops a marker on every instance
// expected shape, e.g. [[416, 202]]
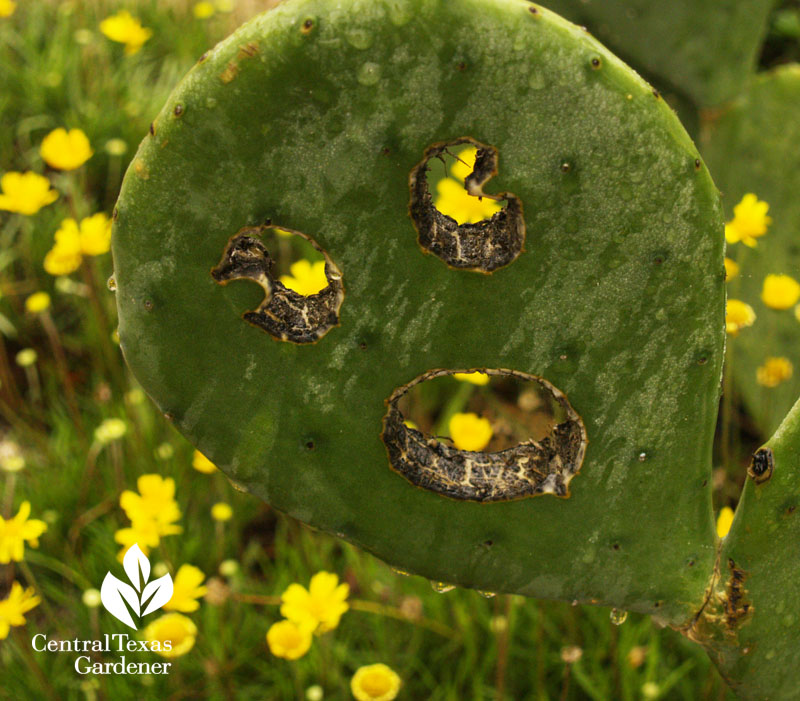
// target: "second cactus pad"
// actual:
[[598, 285]]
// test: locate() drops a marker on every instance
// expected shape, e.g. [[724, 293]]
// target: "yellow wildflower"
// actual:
[[14, 608], [470, 432], [25, 193], [202, 464], [37, 302], [475, 378], [15, 531], [749, 221], [320, 606], [155, 504], [7, 8], [288, 640], [73, 241], [452, 198], [145, 533], [65, 150], [125, 29], [203, 10], [780, 291], [187, 587], [724, 521], [110, 430], [95, 234], [774, 371], [306, 278], [738, 315], [731, 269], [174, 629], [221, 511], [375, 682]]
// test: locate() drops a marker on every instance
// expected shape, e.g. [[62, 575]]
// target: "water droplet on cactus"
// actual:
[[442, 587], [402, 573], [369, 73], [618, 617], [112, 284], [487, 594], [359, 38]]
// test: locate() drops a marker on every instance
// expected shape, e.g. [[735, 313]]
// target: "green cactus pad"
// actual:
[[750, 623], [314, 118], [753, 147], [705, 49]]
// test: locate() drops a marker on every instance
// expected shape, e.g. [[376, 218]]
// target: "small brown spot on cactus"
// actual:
[[152, 129], [656, 94], [230, 72], [482, 246], [735, 606], [141, 170], [284, 314], [115, 214], [697, 164], [533, 10], [178, 110], [596, 63], [308, 26], [566, 167], [461, 66], [761, 466], [385, 151], [203, 57], [538, 465], [248, 50], [148, 305]]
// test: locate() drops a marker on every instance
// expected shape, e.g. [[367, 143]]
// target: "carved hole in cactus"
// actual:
[[471, 231], [513, 436], [298, 306]]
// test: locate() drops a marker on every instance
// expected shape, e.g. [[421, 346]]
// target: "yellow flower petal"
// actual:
[[320, 607], [375, 682], [731, 269], [749, 221], [65, 150], [7, 8], [738, 315], [14, 608], [221, 511], [724, 521], [202, 464], [470, 432], [780, 291], [475, 378], [174, 630], [18, 530], [288, 640], [187, 587], [25, 193], [774, 371], [126, 29], [306, 278], [95, 234], [37, 302]]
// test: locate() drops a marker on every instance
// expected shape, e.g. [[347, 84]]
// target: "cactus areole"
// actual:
[[601, 280]]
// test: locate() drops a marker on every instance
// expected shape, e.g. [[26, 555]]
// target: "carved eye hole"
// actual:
[[302, 285], [482, 243], [514, 436]]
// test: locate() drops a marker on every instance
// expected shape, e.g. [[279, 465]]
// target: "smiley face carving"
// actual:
[[605, 283]]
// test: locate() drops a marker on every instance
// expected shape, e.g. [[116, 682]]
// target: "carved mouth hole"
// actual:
[[302, 285], [512, 436], [461, 224]]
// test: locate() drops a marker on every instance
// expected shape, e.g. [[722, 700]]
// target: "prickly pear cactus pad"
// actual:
[[600, 282], [706, 49], [753, 147]]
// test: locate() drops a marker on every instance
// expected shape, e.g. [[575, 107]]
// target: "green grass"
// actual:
[[58, 70]]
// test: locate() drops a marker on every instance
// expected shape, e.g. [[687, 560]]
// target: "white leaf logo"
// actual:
[[119, 598]]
